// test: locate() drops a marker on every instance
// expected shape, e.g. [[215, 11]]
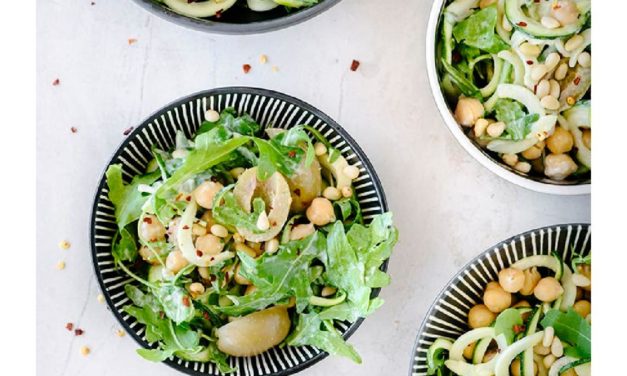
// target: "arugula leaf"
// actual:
[[518, 123], [126, 199], [313, 331], [155, 355], [125, 246], [571, 328], [505, 323], [177, 304], [209, 152], [230, 121], [141, 299], [383, 236], [278, 276], [274, 156], [467, 87], [227, 211], [297, 137], [478, 31]]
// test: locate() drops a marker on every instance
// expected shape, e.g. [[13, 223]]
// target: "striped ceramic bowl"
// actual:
[[447, 316], [269, 109]]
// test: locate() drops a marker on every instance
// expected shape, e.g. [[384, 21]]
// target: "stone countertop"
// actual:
[[447, 206]]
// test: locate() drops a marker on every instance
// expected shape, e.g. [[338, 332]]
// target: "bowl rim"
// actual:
[[213, 27], [190, 98], [466, 267], [464, 141]]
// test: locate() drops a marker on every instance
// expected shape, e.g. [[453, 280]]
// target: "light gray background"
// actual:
[[448, 207]]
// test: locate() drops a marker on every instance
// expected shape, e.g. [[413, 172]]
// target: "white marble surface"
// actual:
[[447, 206]]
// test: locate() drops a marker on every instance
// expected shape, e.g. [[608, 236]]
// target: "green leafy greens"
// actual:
[[571, 328]]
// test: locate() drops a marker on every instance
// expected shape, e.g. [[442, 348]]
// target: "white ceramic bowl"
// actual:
[[530, 182]]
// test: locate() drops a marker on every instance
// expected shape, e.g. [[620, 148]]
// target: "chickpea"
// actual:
[[559, 166], [204, 273], [469, 350], [271, 246], [548, 289], [585, 270], [320, 212], [497, 299], [569, 372], [532, 277], [175, 261], [209, 244], [149, 256], [489, 355], [480, 316], [587, 138], [150, 229], [511, 280], [565, 11], [583, 308], [560, 142], [491, 285], [196, 289], [522, 303], [532, 153], [204, 193], [468, 111], [514, 368], [328, 291]]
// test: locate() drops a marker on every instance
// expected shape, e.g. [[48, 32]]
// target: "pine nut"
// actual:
[[581, 280], [212, 116], [347, 192], [557, 348], [352, 172], [530, 50], [538, 72], [560, 72], [523, 167], [241, 247], [573, 43], [549, 360], [332, 193], [272, 246], [541, 350], [543, 89], [480, 127], [219, 231], [302, 231], [550, 103], [64, 244], [328, 291], [320, 149], [198, 230], [552, 60], [262, 222], [555, 89], [85, 351], [196, 288], [549, 333], [550, 22], [496, 129], [510, 159], [584, 59]]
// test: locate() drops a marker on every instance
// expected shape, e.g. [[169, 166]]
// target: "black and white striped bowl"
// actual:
[[239, 19], [447, 317], [268, 108]]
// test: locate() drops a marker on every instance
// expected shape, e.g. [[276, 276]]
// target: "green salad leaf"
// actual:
[[176, 303], [232, 122], [467, 87], [229, 213], [126, 198], [478, 31], [571, 328], [518, 123], [273, 156], [506, 322], [125, 245]]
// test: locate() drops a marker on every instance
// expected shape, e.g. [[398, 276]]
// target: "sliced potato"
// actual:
[[255, 333]]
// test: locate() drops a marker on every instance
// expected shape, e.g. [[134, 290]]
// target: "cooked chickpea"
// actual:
[[468, 111], [205, 192], [514, 368], [585, 270], [583, 308], [511, 280], [532, 153], [569, 372], [480, 316], [521, 304], [149, 255], [565, 11], [469, 350], [271, 246], [497, 299], [561, 141], [559, 166], [150, 229], [209, 244], [548, 289], [207, 217], [332, 193], [175, 261], [320, 212], [196, 288], [328, 291], [491, 285], [587, 138], [532, 277]]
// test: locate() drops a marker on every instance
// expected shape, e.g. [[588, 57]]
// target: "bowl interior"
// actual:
[[239, 19], [268, 109], [488, 159], [447, 317]]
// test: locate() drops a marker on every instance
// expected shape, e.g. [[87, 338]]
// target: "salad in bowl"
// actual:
[[241, 239], [215, 8], [516, 76]]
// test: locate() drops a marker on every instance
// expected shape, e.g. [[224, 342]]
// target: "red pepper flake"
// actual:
[[355, 65], [535, 88], [147, 220], [219, 13], [198, 253], [213, 258], [132, 41], [186, 301], [69, 326], [297, 192], [73, 129], [56, 82], [457, 57], [529, 62], [161, 314], [212, 278], [246, 68], [79, 332], [186, 227], [128, 131], [291, 153], [522, 24], [519, 329], [205, 315], [188, 198], [577, 80]]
